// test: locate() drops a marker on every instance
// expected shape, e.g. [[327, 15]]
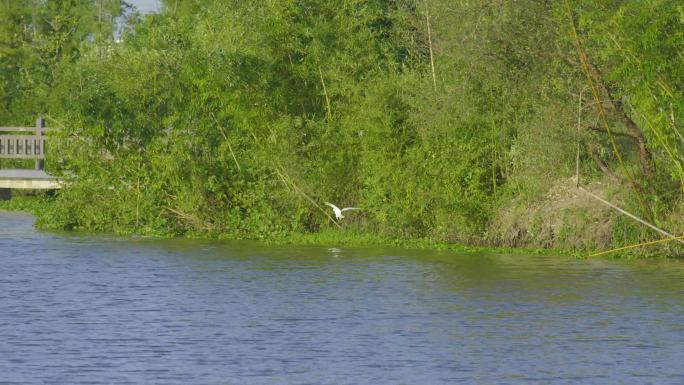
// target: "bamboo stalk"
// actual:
[[643, 222], [225, 137], [494, 158], [664, 143], [325, 93], [137, 190], [432, 56], [674, 124], [288, 182], [494, 143], [577, 156], [635, 246], [230, 148], [233, 154]]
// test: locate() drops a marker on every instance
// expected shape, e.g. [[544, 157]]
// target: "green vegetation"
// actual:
[[34, 203], [446, 121]]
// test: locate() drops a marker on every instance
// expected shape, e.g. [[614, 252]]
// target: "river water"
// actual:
[[100, 310]]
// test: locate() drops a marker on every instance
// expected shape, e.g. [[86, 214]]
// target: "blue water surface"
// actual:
[[101, 310]]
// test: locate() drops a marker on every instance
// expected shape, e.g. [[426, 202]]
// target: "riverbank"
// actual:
[[472, 128], [348, 237], [28, 203]]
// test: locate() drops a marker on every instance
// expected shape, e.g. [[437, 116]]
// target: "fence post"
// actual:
[[40, 131]]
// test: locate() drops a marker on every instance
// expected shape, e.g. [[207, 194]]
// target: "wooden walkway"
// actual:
[[15, 143], [28, 179]]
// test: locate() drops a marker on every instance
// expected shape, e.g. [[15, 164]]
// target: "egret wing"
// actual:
[[332, 205]]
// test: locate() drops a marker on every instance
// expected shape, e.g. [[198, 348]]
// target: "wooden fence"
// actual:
[[16, 143]]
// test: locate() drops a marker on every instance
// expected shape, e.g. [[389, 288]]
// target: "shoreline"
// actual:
[[336, 238]]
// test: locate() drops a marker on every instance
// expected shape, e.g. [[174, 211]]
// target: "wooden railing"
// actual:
[[14, 144]]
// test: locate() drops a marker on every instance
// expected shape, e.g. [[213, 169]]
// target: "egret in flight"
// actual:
[[338, 211]]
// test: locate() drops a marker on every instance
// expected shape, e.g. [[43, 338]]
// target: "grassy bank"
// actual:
[[34, 204], [345, 237], [333, 237]]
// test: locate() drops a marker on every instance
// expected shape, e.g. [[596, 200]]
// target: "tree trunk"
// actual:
[[633, 129]]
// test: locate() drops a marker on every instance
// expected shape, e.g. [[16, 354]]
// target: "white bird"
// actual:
[[338, 211]]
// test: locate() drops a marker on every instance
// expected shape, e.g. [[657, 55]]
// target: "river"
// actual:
[[106, 310]]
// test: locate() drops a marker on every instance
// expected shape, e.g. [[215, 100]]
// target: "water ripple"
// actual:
[[100, 310]]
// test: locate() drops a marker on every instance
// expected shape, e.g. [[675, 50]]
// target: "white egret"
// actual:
[[338, 211]]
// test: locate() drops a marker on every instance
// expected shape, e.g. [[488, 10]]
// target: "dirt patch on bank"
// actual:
[[564, 218]]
